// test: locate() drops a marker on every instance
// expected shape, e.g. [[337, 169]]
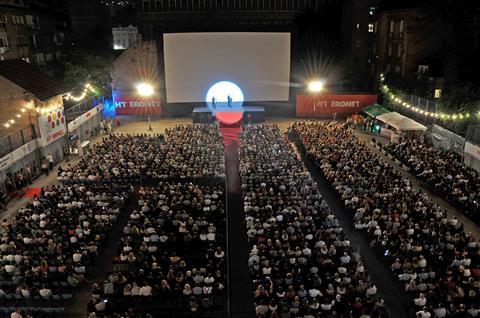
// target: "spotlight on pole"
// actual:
[[145, 89], [315, 86]]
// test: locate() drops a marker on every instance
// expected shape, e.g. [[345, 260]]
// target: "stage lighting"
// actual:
[[315, 86], [221, 91], [145, 89]]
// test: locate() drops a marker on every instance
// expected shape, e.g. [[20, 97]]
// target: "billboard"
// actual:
[[138, 106], [329, 105], [52, 126]]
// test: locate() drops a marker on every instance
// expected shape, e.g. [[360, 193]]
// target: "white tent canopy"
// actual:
[[400, 122]]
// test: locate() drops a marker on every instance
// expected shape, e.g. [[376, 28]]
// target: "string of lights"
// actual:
[[25, 111], [88, 88], [394, 98], [30, 106]]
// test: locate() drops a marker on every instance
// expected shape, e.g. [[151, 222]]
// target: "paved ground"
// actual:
[[99, 272]]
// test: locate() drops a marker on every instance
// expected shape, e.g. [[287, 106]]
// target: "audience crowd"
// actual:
[[118, 157], [301, 263], [47, 248], [443, 172], [184, 151], [430, 253], [172, 254], [190, 151]]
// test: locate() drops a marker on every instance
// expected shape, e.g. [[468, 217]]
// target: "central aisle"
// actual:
[[240, 284]]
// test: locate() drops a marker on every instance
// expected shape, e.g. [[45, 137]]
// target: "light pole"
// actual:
[[315, 87]]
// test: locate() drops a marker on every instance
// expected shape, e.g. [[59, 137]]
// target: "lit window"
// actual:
[[371, 27], [392, 26], [422, 69], [438, 93], [357, 26]]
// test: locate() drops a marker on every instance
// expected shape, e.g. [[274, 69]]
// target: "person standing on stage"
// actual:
[[229, 101], [213, 102]]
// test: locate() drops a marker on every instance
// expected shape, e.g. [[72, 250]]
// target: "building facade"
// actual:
[[35, 31], [358, 40], [399, 50], [91, 25], [123, 37]]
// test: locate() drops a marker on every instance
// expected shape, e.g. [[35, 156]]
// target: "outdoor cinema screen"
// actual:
[[257, 63]]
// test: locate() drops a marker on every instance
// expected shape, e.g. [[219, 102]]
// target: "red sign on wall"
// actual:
[[323, 105], [126, 105]]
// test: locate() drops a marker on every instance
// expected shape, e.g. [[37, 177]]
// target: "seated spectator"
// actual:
[[300, 261]]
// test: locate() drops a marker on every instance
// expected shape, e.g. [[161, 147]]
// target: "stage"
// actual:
[[251, 114]]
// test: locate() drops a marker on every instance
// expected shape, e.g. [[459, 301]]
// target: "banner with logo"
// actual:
[[52, 126], [472, 149], [126, 105], [80, 120], [18, 154], [327, 105]]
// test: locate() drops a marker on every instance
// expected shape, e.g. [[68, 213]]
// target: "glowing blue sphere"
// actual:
[[221, 91]]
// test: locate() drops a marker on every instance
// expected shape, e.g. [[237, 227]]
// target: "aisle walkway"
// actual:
[[100, 271], [240, 284], [468, 224], [397, 301]]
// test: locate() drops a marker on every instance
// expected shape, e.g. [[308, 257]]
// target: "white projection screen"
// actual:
[[259, 63]]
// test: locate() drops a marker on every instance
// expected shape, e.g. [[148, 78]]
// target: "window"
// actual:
[[146, 6], [397, 69], [375, 27], [33, 40], [48, 57], [438, 93], [357, 43], [390, 49], [387, 69], [29, 20], [372, 10], [399, 51], [422, 69], [392, 27], [402, 26], [357, 27], [21, 40], [371, 27], [40, 58], [3, 21], [171, 5], [3, 43], [159, 5]]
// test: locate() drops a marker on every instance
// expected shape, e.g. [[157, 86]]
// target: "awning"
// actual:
[[400, 122], [375, 110]]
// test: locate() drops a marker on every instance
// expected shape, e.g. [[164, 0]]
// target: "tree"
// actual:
[[83, 67]]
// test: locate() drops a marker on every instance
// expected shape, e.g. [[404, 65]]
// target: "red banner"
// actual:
[[322, 105], [126, 105]]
